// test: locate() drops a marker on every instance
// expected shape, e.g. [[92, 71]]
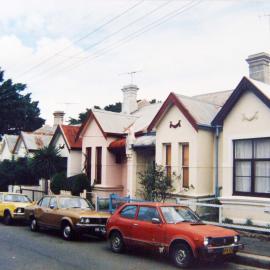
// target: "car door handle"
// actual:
[[135, 224]]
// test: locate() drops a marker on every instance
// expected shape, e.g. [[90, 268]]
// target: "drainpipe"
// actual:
[[217, 132]]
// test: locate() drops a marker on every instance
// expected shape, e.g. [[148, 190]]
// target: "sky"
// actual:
[[76, 54]]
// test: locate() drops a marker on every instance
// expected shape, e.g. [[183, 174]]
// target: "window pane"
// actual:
[[147, 213], [129, 211], [243, 176], [262, 148], [242, 168], [262, 176], [243, 184], [243, 149], [45, 202]]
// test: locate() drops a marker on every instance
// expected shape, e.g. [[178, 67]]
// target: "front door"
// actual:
[[144, 232]]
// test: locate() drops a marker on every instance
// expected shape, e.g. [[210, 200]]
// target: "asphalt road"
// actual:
[[21, 249]]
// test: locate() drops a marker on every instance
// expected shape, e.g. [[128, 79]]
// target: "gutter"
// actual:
[[217, 133]]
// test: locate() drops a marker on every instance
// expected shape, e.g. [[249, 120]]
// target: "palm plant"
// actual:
[[46, 162]]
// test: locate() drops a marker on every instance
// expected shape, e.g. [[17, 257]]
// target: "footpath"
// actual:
[[256, 252]]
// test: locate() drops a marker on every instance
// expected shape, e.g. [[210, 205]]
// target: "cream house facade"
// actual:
[[7, 146], [185, 144], [64, 139], [244, 170]]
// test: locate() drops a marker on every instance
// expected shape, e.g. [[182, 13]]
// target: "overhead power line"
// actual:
[[107, 37], [81, 38], [134, 35]]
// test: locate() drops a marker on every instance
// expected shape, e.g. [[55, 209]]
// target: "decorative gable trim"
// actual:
[[244, 85], [170, 101]]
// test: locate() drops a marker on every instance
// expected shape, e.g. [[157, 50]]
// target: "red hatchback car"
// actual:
[[172, 229]]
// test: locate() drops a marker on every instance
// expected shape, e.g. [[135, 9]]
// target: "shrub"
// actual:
[[79, 183], [156, 185], [228, 221], [249, 222], [58, 183]]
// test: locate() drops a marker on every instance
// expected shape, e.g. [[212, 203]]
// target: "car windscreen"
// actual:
[[67, 202], [16, 198], [177, 214]]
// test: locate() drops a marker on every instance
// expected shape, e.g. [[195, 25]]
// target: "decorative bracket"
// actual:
[[178, 124]]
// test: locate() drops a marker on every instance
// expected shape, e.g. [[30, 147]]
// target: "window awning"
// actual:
[[117, 146], [145, 141]]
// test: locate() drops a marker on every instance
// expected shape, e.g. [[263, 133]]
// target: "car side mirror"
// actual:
[[52, 206], [156, 221]]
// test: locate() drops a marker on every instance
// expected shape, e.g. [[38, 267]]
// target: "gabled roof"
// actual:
[[33, 141], [261, 90], [69, 134], [198, 113], [110, 123], [145, 116], [46, 129], [10, 141], [218, 98]]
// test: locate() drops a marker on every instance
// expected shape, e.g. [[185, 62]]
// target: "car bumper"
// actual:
[[91, 229], [18, 216], [220, 250]]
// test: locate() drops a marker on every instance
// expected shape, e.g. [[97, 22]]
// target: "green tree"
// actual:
[[46, 162], [116, 107], [17, 111], [16, 172], [156, 185], [82, 116]]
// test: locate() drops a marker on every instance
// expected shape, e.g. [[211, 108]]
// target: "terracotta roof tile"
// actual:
[[70, 133]]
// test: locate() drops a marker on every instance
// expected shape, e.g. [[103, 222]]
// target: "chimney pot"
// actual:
[[129, 104], [259, 67], [58, 118]]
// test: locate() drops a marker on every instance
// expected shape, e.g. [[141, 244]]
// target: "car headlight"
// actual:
[[84, 220], [236, 238], [19, 210], [206, 241]]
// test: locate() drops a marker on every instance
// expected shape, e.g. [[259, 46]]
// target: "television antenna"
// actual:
[[131, 74]]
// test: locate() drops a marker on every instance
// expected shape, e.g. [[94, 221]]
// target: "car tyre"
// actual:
[[181, 255], [116, 242], [7, 218], [34, 225], [67, 232]]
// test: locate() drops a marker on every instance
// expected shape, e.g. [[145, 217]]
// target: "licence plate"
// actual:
[[227, 251]]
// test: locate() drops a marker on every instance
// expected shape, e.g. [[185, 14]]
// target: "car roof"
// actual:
[[62, 196], [155, 204], [12, 193]]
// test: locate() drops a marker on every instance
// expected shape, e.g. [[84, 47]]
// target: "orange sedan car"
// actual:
[[172, 229]]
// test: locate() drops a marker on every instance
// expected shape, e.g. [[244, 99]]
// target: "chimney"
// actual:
[[259, 67], [58, 118], [129, 104]]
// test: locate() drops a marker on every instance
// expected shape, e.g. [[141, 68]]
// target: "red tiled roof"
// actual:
[[70, 133], [117, 144]]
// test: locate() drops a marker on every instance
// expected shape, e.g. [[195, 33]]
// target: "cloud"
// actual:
[[202, 50]]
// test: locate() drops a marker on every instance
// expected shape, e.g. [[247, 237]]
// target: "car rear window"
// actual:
[[129, 211], [147, 213]]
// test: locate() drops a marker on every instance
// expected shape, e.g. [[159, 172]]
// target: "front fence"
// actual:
[[111, 203], [232, 216]]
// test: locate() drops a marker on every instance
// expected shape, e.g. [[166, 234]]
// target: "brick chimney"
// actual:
[[129, 104], [58, 118], [259, 67]]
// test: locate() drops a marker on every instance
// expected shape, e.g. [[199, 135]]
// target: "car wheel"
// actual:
[[67, 232], [116, 242], [34, 225], [7, 218], [181, 255]]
